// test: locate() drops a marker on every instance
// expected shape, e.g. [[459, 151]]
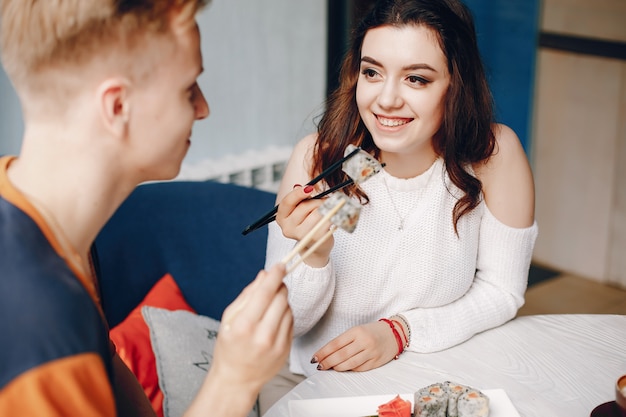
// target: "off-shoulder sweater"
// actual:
[[449, 287]]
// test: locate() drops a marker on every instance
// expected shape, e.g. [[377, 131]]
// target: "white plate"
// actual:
[[499, 405]]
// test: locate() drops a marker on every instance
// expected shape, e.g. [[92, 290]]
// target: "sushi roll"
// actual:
[[361, 166], [431, 401], [454, 392], [347, 217], [473, 403]]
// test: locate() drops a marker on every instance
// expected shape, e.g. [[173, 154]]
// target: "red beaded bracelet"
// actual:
[[406, 344], [397, 335]]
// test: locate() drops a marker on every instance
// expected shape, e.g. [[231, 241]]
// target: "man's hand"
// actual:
[[252, 346]]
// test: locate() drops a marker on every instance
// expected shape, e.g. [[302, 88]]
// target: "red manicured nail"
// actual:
[[296, 185], [308, 189]]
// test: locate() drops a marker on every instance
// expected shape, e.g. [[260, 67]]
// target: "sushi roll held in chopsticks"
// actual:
[[342, 211], [360, 167], [357, 164], [347, 217]]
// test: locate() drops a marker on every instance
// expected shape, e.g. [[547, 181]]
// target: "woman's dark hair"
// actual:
[[465, 136]]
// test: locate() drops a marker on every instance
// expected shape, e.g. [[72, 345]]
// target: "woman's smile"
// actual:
[[386, 121]]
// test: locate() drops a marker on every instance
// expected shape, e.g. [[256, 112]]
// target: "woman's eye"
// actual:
[[416, 79], [369, 73]]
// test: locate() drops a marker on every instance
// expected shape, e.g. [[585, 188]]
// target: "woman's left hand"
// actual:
[[361, 348]]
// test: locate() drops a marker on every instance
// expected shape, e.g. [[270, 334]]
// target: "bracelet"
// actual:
[[406, 324], [406, 341], [397, 335]]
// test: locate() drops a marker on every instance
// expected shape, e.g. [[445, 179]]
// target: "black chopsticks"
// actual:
[[270, 216]]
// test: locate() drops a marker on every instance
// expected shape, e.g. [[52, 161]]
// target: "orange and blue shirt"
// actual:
[[55, 353]]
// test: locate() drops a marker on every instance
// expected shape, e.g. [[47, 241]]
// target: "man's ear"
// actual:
[[184, 16], [115, 105]]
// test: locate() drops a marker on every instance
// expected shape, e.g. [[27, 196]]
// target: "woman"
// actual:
[[444, 241]]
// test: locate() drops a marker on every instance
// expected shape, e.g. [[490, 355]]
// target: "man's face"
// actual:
[[166, 106]]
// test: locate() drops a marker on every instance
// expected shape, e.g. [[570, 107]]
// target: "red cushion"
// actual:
[[132, 337]]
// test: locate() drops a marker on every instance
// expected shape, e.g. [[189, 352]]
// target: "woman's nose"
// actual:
[[389, 96]]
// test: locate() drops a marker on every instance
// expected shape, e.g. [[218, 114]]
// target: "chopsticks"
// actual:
[[270, 216], [315, 197], [312, 248], [307, 238], [341, 211], [299, 246]]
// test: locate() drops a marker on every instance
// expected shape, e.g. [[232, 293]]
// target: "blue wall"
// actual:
[[508, 32]]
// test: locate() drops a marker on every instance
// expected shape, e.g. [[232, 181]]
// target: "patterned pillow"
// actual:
[[183, 344]]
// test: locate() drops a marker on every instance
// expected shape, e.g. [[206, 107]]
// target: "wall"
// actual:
[[580, 144], [265, 74], [507, 32], [11, 125], [264, 79]]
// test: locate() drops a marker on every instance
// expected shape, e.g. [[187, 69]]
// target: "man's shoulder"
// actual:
[[33, 274], [46, 314], [23, 246]]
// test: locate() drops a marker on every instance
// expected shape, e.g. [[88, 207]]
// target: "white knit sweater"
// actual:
[[448, 287]]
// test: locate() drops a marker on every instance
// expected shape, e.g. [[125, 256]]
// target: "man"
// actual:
[[109, 96]]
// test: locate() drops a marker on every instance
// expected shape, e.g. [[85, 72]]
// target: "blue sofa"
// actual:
[[191, 230]]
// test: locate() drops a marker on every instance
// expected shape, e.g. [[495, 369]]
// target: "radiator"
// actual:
[[258, 169]]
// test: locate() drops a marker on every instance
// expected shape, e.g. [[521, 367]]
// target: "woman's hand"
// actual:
[[297, 214], [252, 346], [361, 348]]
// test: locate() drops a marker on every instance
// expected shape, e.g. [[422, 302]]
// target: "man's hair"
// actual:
[[41, 35]]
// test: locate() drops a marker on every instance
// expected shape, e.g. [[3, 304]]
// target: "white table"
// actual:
[[550, 365]]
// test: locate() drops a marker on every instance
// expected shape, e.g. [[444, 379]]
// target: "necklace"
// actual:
[[411, 209], [395, 208]]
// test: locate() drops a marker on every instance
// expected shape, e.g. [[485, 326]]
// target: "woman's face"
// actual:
[[401, 90]]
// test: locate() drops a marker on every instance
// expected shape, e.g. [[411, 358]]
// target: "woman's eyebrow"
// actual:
[[414, 67], [371, 61], [411, 67]]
